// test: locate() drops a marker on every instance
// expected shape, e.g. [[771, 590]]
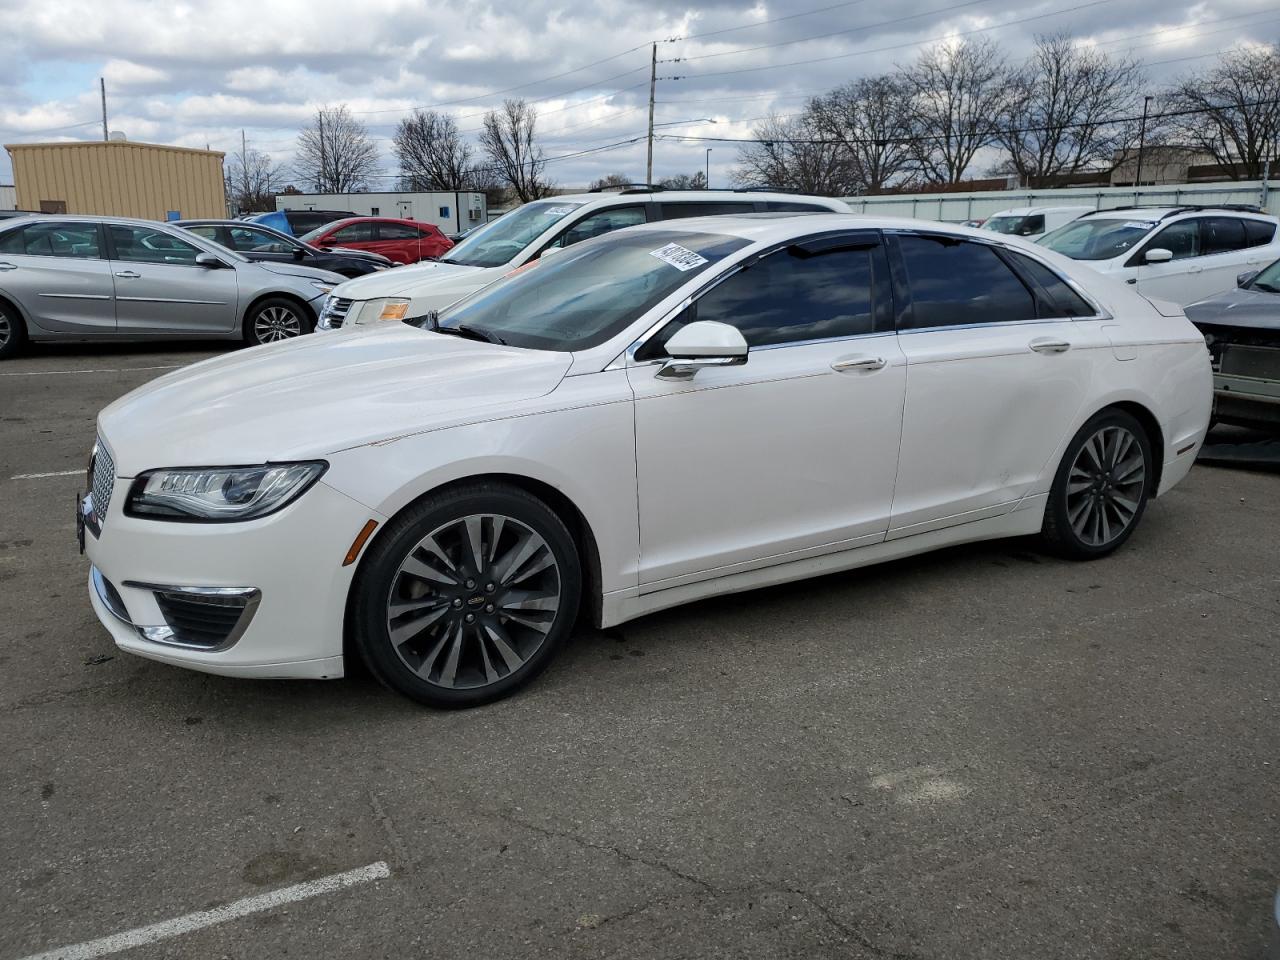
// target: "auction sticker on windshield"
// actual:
[[560, 211], [682, 258]]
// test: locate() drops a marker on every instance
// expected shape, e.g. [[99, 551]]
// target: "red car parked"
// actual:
[[404, 241]]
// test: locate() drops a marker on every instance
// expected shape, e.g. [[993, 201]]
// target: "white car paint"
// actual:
[[435, 285], [1180, 281], [809, 458]]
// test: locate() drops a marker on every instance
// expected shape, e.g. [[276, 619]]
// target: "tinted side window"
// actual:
[[597, 224], [355, 233], [793, 206], [787, 298], [11, 241], [712, 208], [1221, 235], [397, 231], [246, 239], [1259, 233], [144, 245], [1062, 300], [74, 241], [203, 230], [954, 283], [1182, 239]]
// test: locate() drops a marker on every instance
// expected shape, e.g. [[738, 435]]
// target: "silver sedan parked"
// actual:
[[99, 278]]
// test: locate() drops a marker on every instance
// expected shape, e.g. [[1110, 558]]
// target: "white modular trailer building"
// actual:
[[451, 211]]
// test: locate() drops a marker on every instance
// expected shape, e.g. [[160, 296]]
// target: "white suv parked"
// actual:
[[524, 234], [1179, 254]]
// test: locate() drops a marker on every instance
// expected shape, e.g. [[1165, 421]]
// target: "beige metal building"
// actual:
[[118, 178]]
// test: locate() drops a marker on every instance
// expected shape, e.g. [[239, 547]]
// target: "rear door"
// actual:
[[57, 273], [355, 236], [160, 288], [398, 241], [996, 372]]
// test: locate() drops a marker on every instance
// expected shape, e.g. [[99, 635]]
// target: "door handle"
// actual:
[[858, 363], [1046, 345], [6, 267], [128, 275]]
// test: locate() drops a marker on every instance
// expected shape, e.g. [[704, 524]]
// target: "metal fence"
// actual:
[[958, 207]]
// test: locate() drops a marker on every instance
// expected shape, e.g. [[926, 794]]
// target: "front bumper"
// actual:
[[263, 598]]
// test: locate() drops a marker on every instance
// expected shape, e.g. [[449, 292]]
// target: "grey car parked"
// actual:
[[99, 278]]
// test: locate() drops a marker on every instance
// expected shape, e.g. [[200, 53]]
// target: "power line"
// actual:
[[928, 138], [896, 46]]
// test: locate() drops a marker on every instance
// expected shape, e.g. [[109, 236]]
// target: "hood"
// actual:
[[1255, 309], [296, 270], [310, 397], [417, 279]]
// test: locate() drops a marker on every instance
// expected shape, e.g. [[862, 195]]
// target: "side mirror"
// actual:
[[1246, 278], [209, 261], [1158, 255], [299, 253], [703, 343]]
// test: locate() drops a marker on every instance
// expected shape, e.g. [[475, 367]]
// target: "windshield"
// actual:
[[1268, 279], [1096, 239], [582, 297], [498, 243], [1025, 226]]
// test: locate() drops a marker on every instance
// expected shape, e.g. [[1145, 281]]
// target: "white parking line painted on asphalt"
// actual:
[[51, 373], [167, 929], [45, 476]]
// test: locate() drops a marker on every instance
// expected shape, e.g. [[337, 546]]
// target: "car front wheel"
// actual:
[[12, 332], [275, 319], [467, 596], [1101, 488]]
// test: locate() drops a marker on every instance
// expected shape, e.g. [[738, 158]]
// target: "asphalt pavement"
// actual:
[[981, 753]]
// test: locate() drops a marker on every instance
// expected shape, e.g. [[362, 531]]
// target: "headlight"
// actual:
[[220, 493], [322, 285], [394, 308]]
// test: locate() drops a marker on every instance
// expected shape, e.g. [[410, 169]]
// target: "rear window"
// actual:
[[1259, 233]]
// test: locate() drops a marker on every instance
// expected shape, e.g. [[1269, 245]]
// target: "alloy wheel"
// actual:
[[1105, 485], [6, 330], [473, 601], [276, 323]]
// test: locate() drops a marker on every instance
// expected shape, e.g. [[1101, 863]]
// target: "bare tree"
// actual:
[[335, 154], [871, 118], [1069, 108], [509, 140], [1237, 110], [252, 180], [790, 154], [431, 152], [957, 93], [685, 181], [610, 181]]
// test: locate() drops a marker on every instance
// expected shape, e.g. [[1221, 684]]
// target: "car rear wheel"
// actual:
[[467, 597], [1101, 488], [13, 332], [275, 319]]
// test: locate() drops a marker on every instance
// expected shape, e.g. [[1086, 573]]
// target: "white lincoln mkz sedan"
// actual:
[[665, 413]]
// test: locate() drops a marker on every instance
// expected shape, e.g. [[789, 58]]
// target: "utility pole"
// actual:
[[1142, 142], [244, 170], [102, 85], [653, 83], [707, 176]]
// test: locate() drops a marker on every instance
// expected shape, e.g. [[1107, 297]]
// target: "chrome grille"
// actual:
[[104, 477], [335, 311]]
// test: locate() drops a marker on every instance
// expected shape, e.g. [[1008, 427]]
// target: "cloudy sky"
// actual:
[[196, 74]]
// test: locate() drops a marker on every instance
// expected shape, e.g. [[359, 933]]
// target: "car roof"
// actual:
[[1166, 213], [96, 218], [770, 227], [1033, 211], [348, 220], [641, 194]]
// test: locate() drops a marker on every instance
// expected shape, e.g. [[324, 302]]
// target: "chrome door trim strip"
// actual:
[[76, 296], [213, 303]]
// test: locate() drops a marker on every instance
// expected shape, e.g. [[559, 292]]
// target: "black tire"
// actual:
[[1080, 522], [467, 620], [266, 321], [13, 332]]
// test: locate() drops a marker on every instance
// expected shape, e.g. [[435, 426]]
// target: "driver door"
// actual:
[[793, 453], [160, 289]]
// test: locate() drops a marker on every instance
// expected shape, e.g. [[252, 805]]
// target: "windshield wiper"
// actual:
[[470, 333], [1259, 285]]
